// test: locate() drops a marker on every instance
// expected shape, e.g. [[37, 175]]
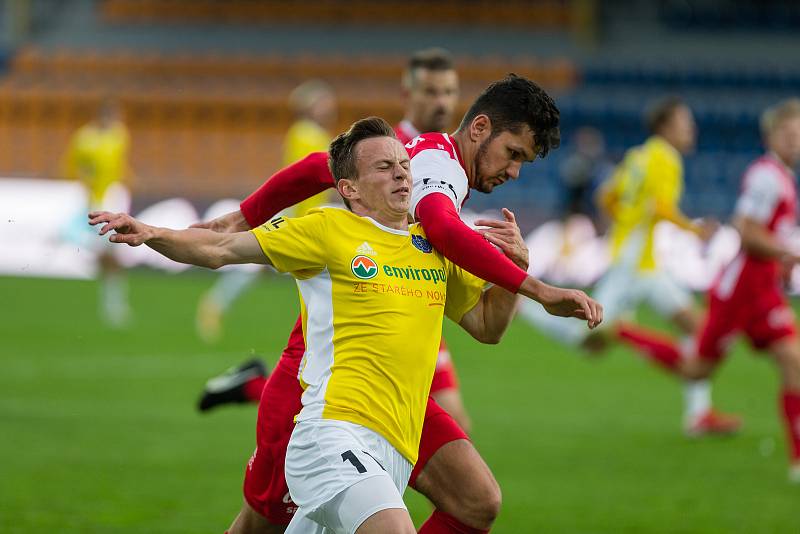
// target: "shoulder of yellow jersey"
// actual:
[[660, 150], [308, 133]]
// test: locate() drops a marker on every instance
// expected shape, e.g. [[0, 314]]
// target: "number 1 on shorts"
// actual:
[[348, 456]]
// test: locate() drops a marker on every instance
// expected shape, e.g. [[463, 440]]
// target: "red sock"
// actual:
[[791, 414], [442, 523], [253, 388], [657, 347]]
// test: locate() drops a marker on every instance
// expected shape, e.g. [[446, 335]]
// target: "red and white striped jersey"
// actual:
[[436, 167], [769, 196]]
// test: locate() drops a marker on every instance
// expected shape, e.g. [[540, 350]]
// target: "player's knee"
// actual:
[[696, 368], [482, 505], [492, 502], [792, 370], [787, 354]]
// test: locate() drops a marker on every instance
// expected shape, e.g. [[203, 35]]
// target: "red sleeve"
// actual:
[[287, 187], [464, 246]]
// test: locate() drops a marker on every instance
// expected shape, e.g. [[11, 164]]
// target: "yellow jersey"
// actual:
[[98, 158], [650, 176], [303, 138], [372, 303]]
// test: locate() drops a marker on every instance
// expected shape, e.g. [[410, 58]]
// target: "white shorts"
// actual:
[[339, 474], [621, 291]]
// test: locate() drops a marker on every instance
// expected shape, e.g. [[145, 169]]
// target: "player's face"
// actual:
[[500, 158], [785, 141], [323, 111], [432, 99], [384, 179], [681, 130]]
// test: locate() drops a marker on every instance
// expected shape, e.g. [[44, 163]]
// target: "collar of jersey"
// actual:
[[456, 150], [779, 162], [376, 223], [385, 228]]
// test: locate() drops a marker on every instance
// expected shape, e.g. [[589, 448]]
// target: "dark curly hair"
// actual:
[[512, 103]]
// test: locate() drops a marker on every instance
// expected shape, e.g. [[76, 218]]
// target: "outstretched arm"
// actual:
[[195, 246], [469, 250]]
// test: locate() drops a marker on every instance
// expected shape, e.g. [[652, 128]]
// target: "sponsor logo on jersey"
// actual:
[[414, 273], [421, 243], [364, 267]]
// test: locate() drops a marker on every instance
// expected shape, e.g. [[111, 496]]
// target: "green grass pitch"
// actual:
[[98, 431]]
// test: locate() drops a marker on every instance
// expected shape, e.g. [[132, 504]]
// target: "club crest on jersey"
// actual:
[[364, 267], [421, 243]]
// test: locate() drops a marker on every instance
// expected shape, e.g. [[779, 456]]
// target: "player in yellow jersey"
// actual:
[[97, 156], [314, 106], [645, 189], [373, 295]]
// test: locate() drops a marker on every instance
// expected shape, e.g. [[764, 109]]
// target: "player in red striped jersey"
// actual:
[[747, 297]]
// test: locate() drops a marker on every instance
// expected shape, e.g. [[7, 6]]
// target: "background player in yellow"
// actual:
[[374, 294], [314, 106], [97, 156], [645, 189]]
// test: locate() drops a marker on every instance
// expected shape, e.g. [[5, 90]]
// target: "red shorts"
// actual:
[[438, 429], [764, 317], [265, 488], [264, 483], [444, 377]]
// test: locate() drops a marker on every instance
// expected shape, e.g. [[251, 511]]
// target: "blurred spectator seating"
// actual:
[[203, 125], [525, 13]]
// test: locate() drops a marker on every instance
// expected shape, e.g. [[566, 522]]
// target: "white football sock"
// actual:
[[114, 299], [696, 393], [230, 285]]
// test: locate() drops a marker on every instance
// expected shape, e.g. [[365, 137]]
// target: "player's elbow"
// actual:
[[214, 264], [488, 337], [494, 340], [214, 259]]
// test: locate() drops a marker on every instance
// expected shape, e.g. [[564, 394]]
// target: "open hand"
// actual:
[[128, 230], [507, 237], [572, 303]]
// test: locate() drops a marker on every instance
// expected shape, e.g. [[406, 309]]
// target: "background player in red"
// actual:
[[431, 90], [747, 296], [511, 122]]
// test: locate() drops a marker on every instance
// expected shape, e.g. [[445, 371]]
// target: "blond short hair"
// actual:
[[307, 93], [773, 116]]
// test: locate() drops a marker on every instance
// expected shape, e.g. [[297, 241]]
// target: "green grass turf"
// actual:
[[98, 431]]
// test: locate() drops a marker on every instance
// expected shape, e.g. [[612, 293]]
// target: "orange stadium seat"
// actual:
[[188, 113]]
